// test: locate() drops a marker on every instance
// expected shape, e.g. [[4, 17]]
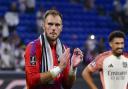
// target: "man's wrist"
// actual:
[[73, 70], [55, 71]]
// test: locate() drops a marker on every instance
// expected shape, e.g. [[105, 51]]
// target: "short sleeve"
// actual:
[[97, 63]]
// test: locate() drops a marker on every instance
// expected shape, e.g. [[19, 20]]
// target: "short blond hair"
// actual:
[[52, 12]]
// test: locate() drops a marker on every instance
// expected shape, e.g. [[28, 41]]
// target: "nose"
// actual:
[[121, 45], [53, 27]]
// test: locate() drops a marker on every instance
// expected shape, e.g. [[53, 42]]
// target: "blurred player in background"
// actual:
[[112, 65], [47, 60]]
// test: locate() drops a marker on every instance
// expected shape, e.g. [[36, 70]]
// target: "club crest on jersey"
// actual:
[[125, 65], [33, 60]]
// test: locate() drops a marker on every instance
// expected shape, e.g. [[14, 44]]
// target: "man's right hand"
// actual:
[[64, 59]]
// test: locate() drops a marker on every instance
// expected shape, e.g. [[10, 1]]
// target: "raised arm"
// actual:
[[70, 71]]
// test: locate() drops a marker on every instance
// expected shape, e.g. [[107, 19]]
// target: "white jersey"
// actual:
[[114, 70]]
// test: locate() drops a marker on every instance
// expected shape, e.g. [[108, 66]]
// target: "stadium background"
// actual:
[[81, 18]]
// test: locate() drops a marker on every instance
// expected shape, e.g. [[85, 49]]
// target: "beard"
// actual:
[[52, 38], [118, 52]]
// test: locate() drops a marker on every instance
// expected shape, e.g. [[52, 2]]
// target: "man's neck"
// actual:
[[117, 55], [52, 43]]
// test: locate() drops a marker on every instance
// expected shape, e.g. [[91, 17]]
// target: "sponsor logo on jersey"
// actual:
[[117, 75]]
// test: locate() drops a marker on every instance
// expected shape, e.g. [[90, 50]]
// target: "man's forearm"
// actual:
[[88, 78], [90, 82], [70, 79], [45, 77]]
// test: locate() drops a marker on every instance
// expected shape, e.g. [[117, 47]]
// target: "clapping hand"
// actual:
[[64, 58], [76, 58]]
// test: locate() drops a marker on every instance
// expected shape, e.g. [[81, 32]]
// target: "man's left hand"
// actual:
[[76, 58]]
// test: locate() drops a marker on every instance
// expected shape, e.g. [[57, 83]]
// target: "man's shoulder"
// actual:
[[35, 42], [33, 46], [125, 54], [104, 54]]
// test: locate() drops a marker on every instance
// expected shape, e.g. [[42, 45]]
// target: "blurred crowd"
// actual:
[[11, 46], [120, 14], [92, 48]]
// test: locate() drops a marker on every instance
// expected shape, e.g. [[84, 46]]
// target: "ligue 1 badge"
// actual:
[[125, 65], [33, 60]]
